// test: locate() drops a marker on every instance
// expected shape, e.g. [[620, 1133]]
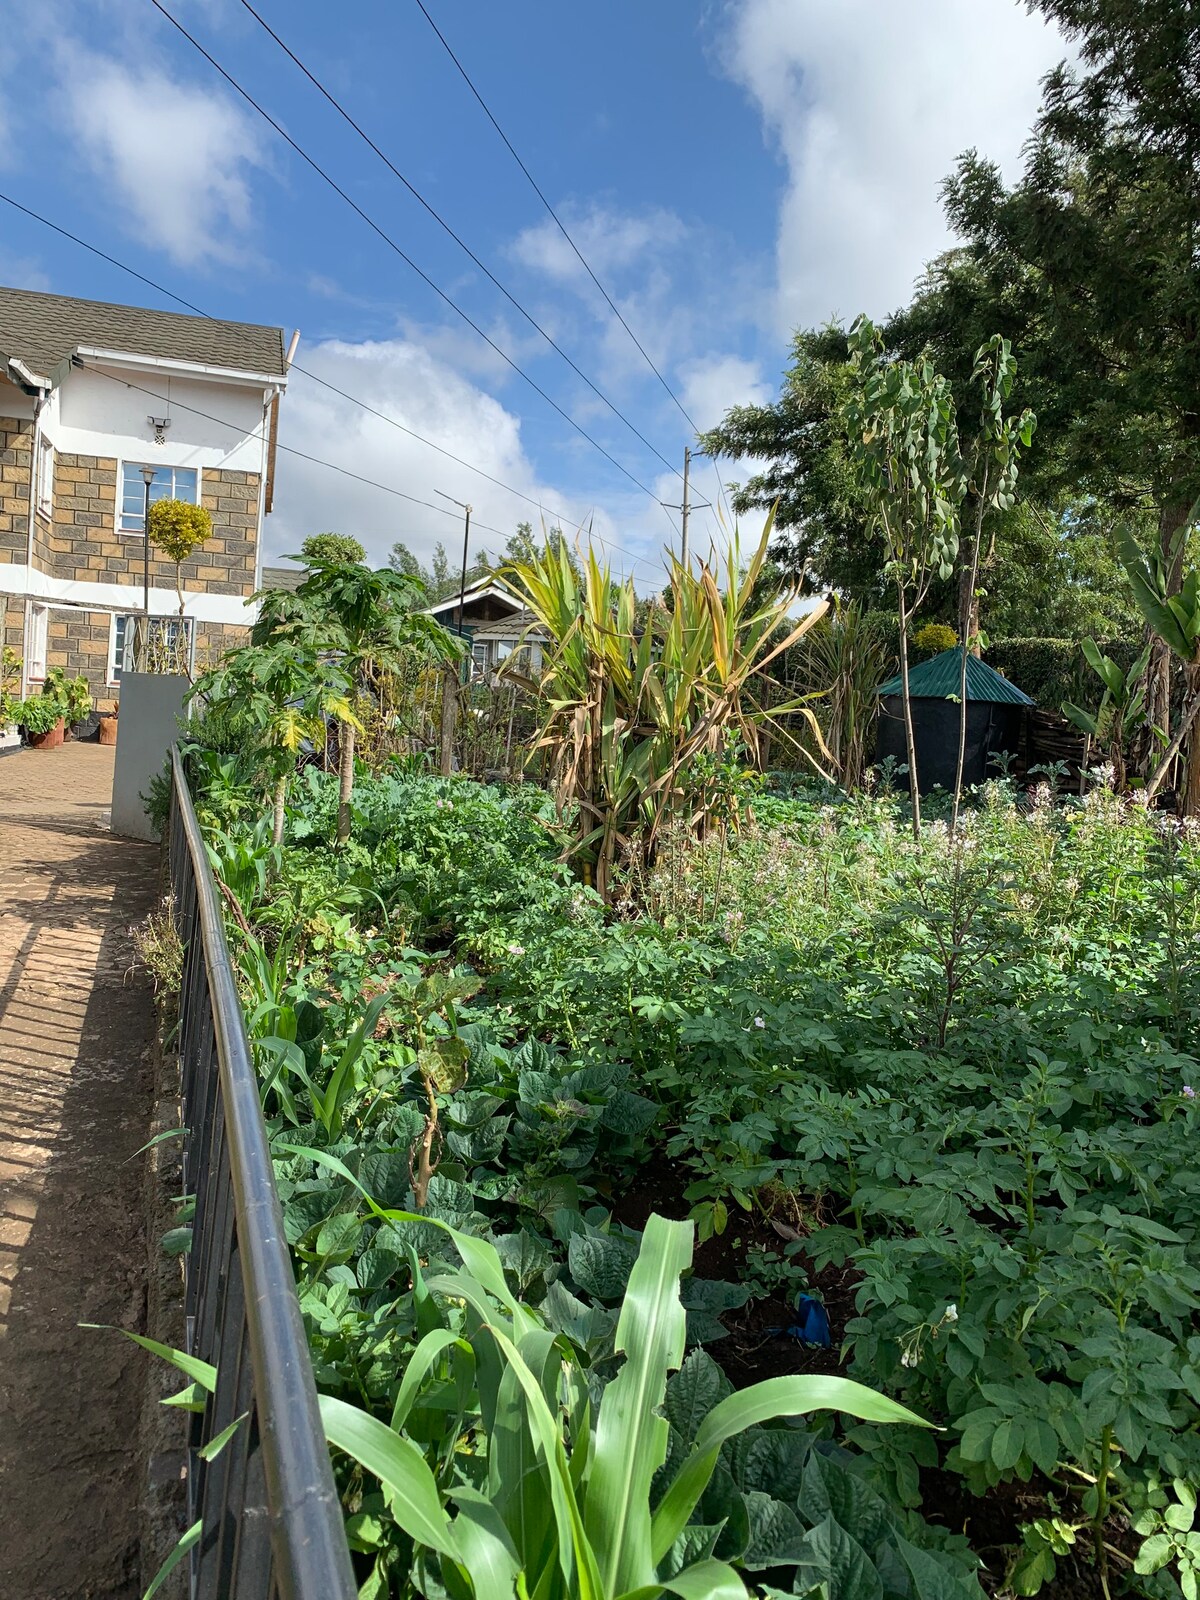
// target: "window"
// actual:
[[170, 645], [479, 657], [170, 483], [35, 644], [45, 477]]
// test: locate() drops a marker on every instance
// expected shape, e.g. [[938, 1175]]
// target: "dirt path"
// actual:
[[75, 1087]]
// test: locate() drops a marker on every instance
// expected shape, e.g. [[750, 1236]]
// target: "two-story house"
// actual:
[[90, 395]]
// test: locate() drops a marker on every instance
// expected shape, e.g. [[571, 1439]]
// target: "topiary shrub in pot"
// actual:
[[178, 528]]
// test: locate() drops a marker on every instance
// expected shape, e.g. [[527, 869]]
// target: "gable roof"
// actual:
[[482, 589], [939, 678], [44, 330]]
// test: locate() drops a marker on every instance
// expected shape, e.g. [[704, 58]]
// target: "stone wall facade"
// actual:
[[16, 457], [80, 543], [84, 543]]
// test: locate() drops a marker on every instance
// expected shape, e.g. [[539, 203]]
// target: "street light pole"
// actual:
[[143, 655]]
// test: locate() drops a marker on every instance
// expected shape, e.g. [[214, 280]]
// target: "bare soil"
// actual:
[[76, 1047]]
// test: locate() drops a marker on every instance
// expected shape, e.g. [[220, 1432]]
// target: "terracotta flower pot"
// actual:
[[50, 740], [108, 728]]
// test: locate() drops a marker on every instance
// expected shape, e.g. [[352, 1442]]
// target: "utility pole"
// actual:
[[685, 547], [683, 543], [449, 686]]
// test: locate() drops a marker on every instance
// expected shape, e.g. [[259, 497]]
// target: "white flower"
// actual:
[[908, 1359], [759, 1023], [516, 949], [951, 1313], [439, 804]]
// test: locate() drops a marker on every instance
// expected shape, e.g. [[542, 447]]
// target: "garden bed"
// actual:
[[946, 1094]]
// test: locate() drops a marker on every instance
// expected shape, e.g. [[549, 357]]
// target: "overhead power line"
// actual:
[[560, 519], [341, 110], [562, 228], [382, 233]]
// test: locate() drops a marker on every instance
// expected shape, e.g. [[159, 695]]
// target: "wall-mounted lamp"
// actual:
[[160, 426]]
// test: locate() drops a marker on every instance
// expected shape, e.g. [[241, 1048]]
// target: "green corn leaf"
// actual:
[[409, 1486], [703, 1580], [201, 1372], [776, 1397], [631, 1434], [191, 1537], [487, 1551], [576, 1556], [213, 1448], [417, 1368]]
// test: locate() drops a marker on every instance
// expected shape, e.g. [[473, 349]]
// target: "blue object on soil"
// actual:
[[811, 1326]]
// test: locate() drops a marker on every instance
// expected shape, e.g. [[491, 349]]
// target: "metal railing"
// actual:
[[271, 1524]]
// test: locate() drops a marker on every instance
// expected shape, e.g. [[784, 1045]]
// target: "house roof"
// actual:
[[289, 578], [44, 330], [481, 589], [939, 679]]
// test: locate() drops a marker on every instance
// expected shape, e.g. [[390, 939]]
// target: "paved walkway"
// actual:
[[76, 1034]]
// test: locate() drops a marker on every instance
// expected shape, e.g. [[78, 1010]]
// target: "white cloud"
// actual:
[[611, 241], [179, 158], [714, 383], [405, 381], [870, 102]]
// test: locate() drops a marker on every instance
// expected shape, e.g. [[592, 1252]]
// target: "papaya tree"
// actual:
[[282, 697], [369, 622]]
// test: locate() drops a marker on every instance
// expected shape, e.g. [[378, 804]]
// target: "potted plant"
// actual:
[[72, 694], [10, 688], [108, 725], [42, 718]]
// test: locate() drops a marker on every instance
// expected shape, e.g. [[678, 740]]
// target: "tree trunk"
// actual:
[[345, 778], [449, 717], [909, 740], [1171, 518], [968, 601], [280, 800], [968, 621], [1191, 785]]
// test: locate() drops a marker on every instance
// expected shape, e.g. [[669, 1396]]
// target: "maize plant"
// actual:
[[628, 709]]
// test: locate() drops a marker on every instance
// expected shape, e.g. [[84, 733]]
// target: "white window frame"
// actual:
[[45, 477], [37, 643], [127, 635], [159, 466]]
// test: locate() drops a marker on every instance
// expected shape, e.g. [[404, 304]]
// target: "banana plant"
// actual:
[[1175, 619], [566, 1509], [1122, 705]]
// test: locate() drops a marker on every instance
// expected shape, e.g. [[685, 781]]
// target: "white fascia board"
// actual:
[[124, 597], [194, 369], [493, 591]]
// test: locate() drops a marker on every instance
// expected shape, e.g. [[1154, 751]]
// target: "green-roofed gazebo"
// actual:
[[995, 709]]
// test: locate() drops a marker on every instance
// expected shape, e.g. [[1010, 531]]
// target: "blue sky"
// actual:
[[730, 169]]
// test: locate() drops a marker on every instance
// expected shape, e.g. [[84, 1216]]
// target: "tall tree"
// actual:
[[1088, 265], [904, 450], [437, 578]]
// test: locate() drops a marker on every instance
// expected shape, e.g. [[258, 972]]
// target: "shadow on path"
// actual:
[[76, 1053]]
